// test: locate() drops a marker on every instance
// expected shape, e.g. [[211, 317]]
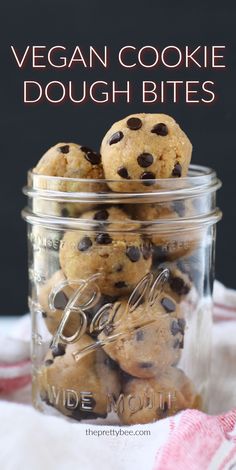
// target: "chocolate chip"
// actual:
[[133, 253], [134, 123], [182, 324], [120, 284], [177, 171], [108, 329], [103, 239], [178, 285], [175, 328], [168, 304], [64, 212], [93, 158], [84, 244], [146, 365], [123, 172], [48, 362], [58, 350], [103, 214], [60, 300], [44, 315], [64, 149], [160, 129], [160, 255], [145, 159], [116, 138], [86, 149], [147, 175], [140, 335]]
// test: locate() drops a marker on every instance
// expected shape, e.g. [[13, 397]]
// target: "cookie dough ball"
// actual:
[[70, 161], [120, 258], [147, 340], [144, 147], [82, 388], [168, 244], [53, 314], [146, 401]]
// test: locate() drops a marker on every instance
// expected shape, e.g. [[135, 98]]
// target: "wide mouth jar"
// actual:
[[120, 294]]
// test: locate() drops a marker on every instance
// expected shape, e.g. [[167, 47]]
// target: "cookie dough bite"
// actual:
[[70, 161], [71, 380], [144, 147], [119, 258], [147, 340], [53, 316], [148, 400], [167, 244]]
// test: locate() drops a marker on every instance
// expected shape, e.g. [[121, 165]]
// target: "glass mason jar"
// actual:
[[121, 295]]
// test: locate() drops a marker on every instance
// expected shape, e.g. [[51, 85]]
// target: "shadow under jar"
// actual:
[[121, 295]]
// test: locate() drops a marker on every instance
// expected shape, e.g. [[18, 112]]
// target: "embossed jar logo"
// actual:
[[86, 296]]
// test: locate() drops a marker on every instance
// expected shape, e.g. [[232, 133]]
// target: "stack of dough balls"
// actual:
[[135, 353]]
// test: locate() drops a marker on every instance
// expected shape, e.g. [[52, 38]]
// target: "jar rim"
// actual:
[[200, 179]]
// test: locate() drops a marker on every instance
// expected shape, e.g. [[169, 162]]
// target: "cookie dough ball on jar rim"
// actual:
[[148, 400], [91, 373], [109, 246], [144, 147], [147, 339], [66, 162]]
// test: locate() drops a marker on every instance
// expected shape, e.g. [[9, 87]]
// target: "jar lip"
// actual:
[[199, 179], [184, 224]]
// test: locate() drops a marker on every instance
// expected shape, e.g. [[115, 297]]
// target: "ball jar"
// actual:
[[121, 295]]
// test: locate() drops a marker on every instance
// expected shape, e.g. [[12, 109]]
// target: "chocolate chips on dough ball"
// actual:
[[144, 147], [90, 375], [118, 257], [147, 340], [68, 160]]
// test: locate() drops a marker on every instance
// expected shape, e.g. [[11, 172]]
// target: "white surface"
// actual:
[[6, 323]]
